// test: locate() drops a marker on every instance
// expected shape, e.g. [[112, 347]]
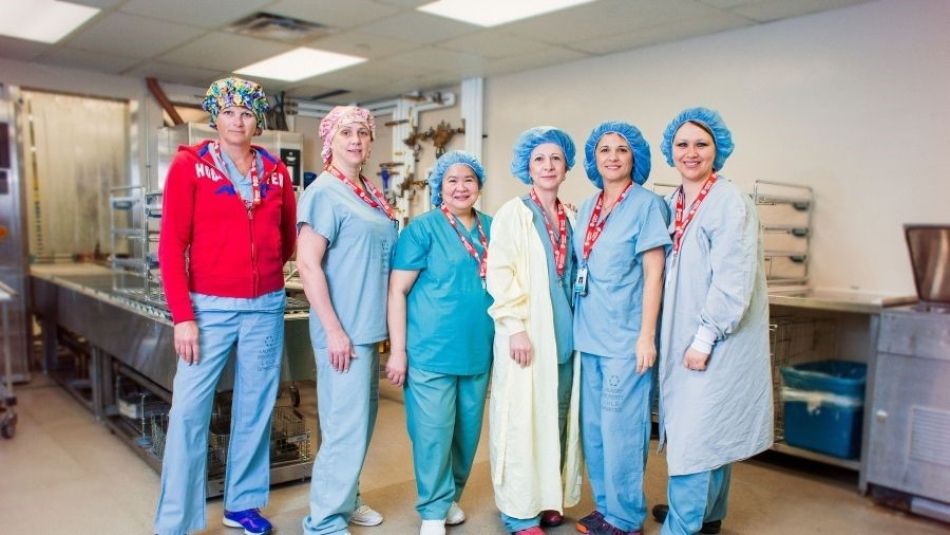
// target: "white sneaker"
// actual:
[[432, 527], [455, 516], [365, 515]]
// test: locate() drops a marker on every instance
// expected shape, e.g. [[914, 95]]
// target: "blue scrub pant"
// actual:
[[565, 378], [615, 429], [347, 403], [260, 340], [696, 498], [444, 417]]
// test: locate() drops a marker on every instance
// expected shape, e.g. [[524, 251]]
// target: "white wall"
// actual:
[[853, 102]]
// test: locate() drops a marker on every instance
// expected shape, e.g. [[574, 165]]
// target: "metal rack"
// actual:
[[8, 416], [785, 212]]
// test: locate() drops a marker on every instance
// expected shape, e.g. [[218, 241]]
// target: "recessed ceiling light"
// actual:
[[298, 64], [46, 21], [494, 12]]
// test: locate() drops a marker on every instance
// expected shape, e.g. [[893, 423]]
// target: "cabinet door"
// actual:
[[909, 446]]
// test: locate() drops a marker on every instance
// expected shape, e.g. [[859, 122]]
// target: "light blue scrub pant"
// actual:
[[444, 418], [696, 498], [565, 378], [347, 403], [260, 341], [615, 428]]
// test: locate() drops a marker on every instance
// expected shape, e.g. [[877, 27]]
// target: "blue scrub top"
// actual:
[[561, 290], [357, 261], [607, 319], [448, 329]]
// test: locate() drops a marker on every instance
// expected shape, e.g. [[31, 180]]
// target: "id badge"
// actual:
[[580, 283]]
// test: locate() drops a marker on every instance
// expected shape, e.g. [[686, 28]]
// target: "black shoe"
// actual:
[[709, 528]]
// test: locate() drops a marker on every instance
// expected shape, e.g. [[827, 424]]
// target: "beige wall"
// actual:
[[852, 102]]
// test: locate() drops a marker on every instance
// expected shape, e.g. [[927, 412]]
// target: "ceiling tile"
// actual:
[[363, 44], [548, 57], [82, 59], [305, 91], [224, 51], [493, 44], [418, 28], [770, 10], [727, 4], [181, 74], [408, 4], [203, 13], [664, 33], [333, 13], [103, 4], [437, 59], [606, 17], [21, 49], [137, 37]]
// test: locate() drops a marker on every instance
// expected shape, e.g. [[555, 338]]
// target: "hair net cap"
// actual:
[[530, 139], [442, 165], [339, 116], [638, 145], [711, 120], [234, 91]]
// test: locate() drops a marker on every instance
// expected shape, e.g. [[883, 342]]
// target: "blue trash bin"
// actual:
[[824, 406]]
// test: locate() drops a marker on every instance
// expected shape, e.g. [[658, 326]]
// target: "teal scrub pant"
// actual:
[[259, 337], [347, 403], [696, 498], [565, 378], [615, 429], [444, 417]]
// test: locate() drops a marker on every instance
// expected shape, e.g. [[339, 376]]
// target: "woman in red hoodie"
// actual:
[[228, 227]]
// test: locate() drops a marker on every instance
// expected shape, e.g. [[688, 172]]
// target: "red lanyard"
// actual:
[[379, 202], [559, 248], [681, 224], [595, 227], [480, 259], [215, 148]]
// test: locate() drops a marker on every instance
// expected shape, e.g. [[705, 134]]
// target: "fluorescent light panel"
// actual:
[[46, 21], [298, 64], [490, 13]]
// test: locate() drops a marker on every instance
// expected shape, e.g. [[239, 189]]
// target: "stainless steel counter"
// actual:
[[839, 301]]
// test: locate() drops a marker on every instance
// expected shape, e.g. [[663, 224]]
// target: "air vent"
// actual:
[[328, 94], [279, 28]]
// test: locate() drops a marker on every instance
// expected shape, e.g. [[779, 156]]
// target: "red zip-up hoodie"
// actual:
[[210, 243]]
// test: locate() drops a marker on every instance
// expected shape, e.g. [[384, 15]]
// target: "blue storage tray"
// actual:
[[824, 426], [840, 377]]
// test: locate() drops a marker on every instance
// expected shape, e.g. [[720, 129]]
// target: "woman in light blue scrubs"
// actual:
[[621, 246], [347, 231], [439, 326], [535, 443], [715, 373]]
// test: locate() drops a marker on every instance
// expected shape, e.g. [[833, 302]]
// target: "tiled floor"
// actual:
[[65, 473]]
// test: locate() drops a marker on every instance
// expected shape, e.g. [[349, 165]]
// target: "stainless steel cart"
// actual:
[[8, 416]]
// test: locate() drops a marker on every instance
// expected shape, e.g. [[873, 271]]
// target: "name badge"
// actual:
[[580, 283]]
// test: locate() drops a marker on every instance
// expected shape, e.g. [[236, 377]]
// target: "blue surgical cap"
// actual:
[[710, 120], [530, 139], [442, 165], [638, 145]]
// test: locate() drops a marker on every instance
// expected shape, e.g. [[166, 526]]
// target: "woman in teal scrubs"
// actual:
[[439, 326]]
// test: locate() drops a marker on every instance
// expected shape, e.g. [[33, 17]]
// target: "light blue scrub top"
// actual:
[[270, 302], [357, 261], [607, 319], [448, 329], [561, 290]]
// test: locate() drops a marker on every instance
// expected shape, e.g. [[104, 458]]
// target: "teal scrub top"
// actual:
[[448, 329], [607, 319], [561, 289], [357, 261]]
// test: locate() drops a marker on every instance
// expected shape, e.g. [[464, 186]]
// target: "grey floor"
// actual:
[[65, 473]]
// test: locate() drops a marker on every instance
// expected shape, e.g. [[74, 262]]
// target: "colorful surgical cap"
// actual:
[[712, 122], [233, 91], [442, 165], [339, 116], [530, 139], [638, 145]]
